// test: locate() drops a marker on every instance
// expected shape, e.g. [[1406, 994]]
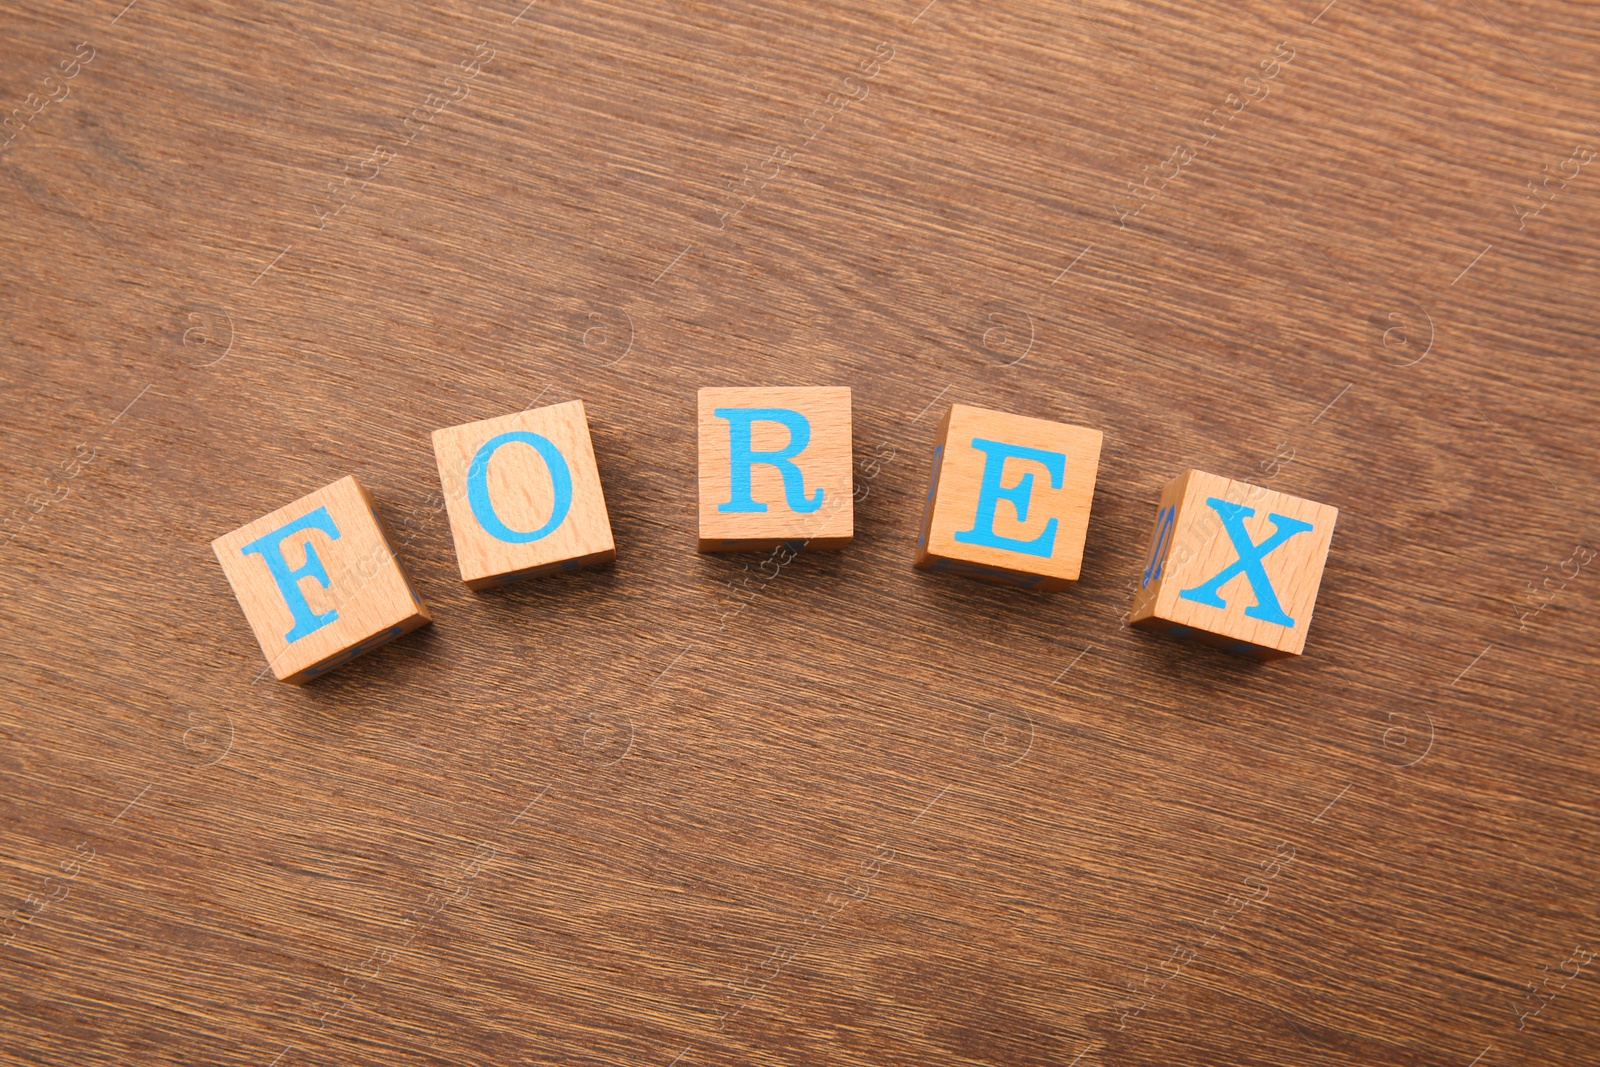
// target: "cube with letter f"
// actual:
[[1008, 500], [1235, 565], [319, 582], [775, 468]]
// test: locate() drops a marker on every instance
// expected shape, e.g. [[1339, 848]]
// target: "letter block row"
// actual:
[[1008, 502]]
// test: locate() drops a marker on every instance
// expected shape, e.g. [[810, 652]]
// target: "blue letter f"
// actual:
[[270, 549], [1266, 607]]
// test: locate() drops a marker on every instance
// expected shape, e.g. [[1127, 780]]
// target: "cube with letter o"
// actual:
[[1008, 499], [523, 495], [775, 468]]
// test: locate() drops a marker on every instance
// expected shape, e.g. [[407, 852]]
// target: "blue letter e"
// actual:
[[990, 493], [270, 549], [741, 458]]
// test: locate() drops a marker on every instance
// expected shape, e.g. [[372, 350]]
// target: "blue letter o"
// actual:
[[478, 487]]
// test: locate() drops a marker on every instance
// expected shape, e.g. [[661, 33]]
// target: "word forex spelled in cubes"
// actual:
[[775, 468], [523, 495], [318, 582], [1234, 564], [1009, 497]]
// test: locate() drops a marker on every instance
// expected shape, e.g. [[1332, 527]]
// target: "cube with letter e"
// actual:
[[319, 582], [775, 468], [523, 495], [1234, 564], [1008, 499]]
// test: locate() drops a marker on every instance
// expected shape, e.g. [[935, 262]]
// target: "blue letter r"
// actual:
[[741, 458]]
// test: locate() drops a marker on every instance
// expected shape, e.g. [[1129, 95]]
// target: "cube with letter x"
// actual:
[[319, 582], [523, 494], [1008, 499], [775, 467], [1234, 564]]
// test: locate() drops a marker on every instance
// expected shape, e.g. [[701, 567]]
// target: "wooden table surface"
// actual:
[[705, 810]]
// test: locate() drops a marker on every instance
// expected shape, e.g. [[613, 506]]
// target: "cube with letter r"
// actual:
[[775, 468], [319, 582], [1008, 498], [1234, 564]]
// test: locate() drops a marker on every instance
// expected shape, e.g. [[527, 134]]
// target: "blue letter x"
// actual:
[[1266, 608]]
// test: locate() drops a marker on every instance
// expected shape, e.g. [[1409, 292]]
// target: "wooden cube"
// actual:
[[1009, 497], [523, 494], [1235, 565], [775, 468], [319, 582]]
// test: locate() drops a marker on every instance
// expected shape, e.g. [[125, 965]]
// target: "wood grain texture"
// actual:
[[814, 808]]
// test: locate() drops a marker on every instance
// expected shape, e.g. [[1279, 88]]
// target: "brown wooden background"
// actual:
[[701, 811]]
